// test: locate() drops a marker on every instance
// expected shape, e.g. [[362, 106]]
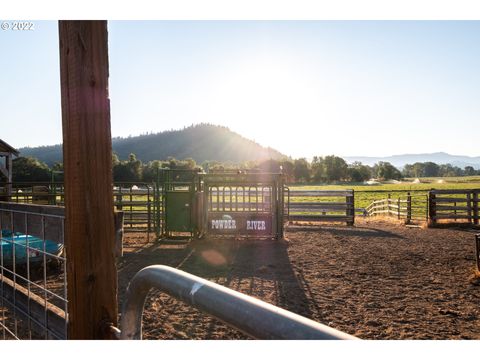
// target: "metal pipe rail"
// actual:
[[251, 316]]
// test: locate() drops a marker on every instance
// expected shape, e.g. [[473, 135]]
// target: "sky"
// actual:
[[305, 88]]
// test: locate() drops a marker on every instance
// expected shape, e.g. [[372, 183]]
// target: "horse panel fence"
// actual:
[[33, 287]]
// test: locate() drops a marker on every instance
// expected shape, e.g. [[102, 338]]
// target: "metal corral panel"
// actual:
[[178, 206]]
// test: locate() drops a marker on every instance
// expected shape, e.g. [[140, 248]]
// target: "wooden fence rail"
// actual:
[[412, 207], [453, 205], [397, 208]]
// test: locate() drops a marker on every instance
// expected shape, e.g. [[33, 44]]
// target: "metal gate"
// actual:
[[182, 193], [137, 201], [244, 204]]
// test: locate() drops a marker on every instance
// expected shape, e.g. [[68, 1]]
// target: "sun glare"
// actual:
[[261, 95]]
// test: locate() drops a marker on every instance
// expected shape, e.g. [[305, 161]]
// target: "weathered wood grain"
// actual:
[[87, 154]]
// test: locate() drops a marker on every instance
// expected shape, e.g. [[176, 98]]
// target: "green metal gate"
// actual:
[[244, 204], [182, 193]]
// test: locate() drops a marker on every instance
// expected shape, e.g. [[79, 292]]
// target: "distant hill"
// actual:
[[200, 142], [438, 157]]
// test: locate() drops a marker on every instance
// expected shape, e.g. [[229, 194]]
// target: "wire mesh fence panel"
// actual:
[[33, 286]]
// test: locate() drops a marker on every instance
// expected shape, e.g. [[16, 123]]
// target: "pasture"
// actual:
[[366, 194]]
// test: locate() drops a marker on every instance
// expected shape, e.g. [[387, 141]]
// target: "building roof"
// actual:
[[4, 147]]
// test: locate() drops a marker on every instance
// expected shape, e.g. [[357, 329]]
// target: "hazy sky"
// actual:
[[304, 88]]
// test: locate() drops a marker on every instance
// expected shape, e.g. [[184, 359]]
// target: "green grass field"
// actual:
[[466, 182], [366, 194]]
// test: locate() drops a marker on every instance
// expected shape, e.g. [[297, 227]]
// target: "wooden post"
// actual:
[[409, 209], [119, 200], [9, 163], [87, 155], [469, 208], [427, 208], [431, 208], [351, 209], [398, 208], [475, 207], [388, 204]]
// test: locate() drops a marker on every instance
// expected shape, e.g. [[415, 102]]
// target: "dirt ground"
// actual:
[[377, 280]]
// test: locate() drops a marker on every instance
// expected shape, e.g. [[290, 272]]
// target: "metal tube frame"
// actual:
[[251, 316]]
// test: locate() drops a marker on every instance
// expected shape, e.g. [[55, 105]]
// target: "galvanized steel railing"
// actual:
[[251, 316]]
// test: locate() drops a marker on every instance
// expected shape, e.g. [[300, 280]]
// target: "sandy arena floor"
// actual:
[[377, 280]]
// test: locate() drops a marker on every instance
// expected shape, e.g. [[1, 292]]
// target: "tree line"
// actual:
[[327, 169], [431, 169]]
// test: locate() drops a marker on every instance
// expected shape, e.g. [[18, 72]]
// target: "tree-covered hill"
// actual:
[[204, 142]]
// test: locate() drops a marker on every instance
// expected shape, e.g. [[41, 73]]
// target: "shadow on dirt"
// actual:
[[258, 268]]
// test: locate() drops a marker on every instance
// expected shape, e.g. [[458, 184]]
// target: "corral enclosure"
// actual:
[[311, 273], [377, 280], [374, 280], [143, 204]]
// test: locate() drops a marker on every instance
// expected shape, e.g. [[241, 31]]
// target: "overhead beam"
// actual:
[[87, 154]]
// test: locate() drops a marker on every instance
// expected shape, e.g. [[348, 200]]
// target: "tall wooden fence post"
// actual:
[[388, 204], [350, 200], [398, 208], [475, 207], [9, 163], [469, 208], [409, 209], [87, 155], [431, 208]]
